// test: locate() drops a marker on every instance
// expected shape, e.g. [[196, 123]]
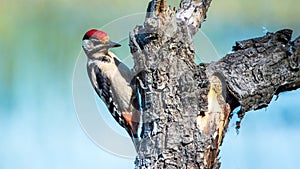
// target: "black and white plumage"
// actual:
[[113, 81]]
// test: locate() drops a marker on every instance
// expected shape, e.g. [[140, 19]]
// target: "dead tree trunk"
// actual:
[[187, 107]]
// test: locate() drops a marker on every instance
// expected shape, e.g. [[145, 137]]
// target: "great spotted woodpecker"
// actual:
[[113, 81]]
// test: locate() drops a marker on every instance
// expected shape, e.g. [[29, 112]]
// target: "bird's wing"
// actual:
[[102, 86]]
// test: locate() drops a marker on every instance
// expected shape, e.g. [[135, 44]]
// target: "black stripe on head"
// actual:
[[86, 37]]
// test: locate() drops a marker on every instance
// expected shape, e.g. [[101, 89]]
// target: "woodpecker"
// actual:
[[113, 81]]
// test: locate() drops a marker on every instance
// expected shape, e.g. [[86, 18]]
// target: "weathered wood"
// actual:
[[187, 107], [193, 12], [260, 68]]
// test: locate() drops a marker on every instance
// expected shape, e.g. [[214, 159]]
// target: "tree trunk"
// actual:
[[187, 107]]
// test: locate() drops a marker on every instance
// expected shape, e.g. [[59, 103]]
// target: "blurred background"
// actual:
[[40, 41]]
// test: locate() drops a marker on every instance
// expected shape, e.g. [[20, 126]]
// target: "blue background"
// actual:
[[40, 42]]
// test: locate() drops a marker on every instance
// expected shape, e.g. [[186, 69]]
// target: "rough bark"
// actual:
[[187, 107]]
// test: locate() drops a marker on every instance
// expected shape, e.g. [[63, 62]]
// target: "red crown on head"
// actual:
[[100, 35]]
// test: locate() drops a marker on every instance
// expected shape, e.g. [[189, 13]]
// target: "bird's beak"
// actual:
[[112, 44]]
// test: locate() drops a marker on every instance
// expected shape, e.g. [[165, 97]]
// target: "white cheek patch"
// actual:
[[87, 44]]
